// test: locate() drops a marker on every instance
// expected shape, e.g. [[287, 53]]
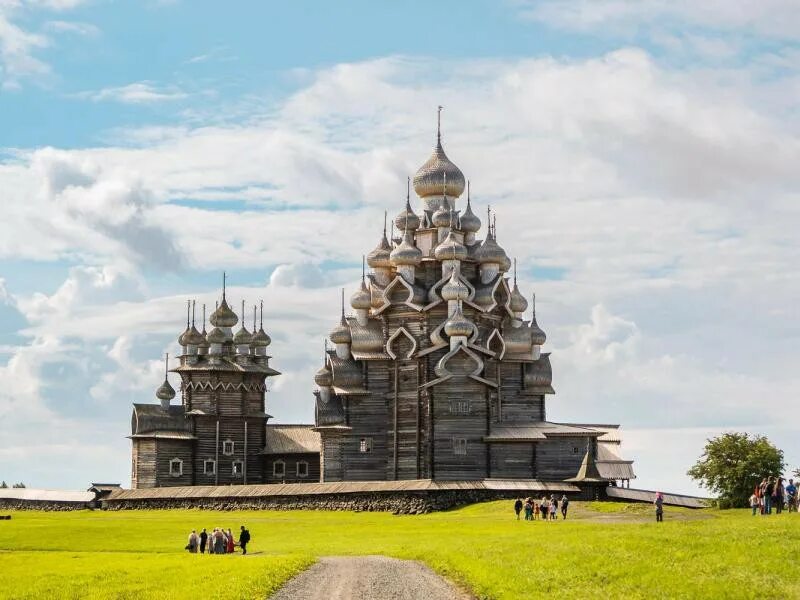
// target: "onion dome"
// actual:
[[260, 338], [216, 336], [406, 253], [451, 249], [455, 289], [223, 316], [324, 377], [441, 218], [194, 337], [458, 325], [341, 333], [505, 264], [538, 336], [490, 252], [242, 337], [183, 339], [429, 177], [379, 258], [407, 219], [165, 391], [361, 299], [518, 302], [469, 222]]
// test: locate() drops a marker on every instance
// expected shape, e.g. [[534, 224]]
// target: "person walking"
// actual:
[[543, 508], [754, 503], [231, 542], [193, 542], [535, 510], [219, 542], [777, 495], [528, 510], [791, 496], [203, 541], [659, 502], [564, 506], [766, 495], [554, 507], [244, 539], [518, 507]]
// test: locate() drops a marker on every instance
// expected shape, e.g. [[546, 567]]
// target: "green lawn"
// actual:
[[607, 551]]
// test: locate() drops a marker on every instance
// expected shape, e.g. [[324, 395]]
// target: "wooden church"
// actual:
[[438, 374]]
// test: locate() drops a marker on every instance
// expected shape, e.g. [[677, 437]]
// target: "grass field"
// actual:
[[604, 550]]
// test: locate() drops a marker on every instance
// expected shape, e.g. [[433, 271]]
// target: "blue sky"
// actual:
[[641, 157]]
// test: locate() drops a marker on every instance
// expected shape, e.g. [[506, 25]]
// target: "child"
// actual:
[[528, 511], [535, 510], [754, 503]]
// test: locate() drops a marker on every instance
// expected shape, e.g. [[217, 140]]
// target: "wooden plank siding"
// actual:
[[514, 460], [290, 462], [559, 458]]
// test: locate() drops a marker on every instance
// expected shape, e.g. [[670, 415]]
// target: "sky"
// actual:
[[642, 158]]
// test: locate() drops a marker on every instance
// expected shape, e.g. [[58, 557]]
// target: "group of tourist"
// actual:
[[772, 495], [545, 509], [218, 541]]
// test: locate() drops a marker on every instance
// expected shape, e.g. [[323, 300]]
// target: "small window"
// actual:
[[576, 450], [133, 467], [459, 407], [302, 469], [237, 468], [176, 467], [365, 445], [279, 468], [460, 446], [209, 467], [227, 447]]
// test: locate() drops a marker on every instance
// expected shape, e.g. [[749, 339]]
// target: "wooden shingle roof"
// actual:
[[291, 439]]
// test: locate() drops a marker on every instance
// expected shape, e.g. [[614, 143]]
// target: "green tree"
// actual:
[[732, 464], [18, 485], [3, 485]]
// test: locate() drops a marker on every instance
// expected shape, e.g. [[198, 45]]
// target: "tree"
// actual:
[[3, 485], [18, 485], [732, 464]]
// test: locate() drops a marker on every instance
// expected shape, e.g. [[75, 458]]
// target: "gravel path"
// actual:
[[368, 578]]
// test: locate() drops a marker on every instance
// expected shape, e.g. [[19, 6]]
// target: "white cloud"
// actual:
[[140, 92], [771, 18], [76, 27]]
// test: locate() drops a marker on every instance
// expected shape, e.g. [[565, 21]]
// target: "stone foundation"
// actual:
[[9, 504], [399, 503]]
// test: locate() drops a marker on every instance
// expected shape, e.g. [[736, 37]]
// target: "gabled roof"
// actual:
[[291, 439]]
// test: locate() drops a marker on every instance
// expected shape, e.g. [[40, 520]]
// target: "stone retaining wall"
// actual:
[[17, 504], [394, 502]]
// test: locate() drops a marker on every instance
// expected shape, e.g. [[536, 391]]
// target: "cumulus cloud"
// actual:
[[664, 199]]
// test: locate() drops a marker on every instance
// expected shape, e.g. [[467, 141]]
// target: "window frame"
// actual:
[[459, 444], [225, 446], [179, 462], [240, 472], [365, 445], [460, 407], [283, 468], [304, 463], [213, 466]]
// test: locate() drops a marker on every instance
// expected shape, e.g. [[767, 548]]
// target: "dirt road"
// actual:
[[368, 578]]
